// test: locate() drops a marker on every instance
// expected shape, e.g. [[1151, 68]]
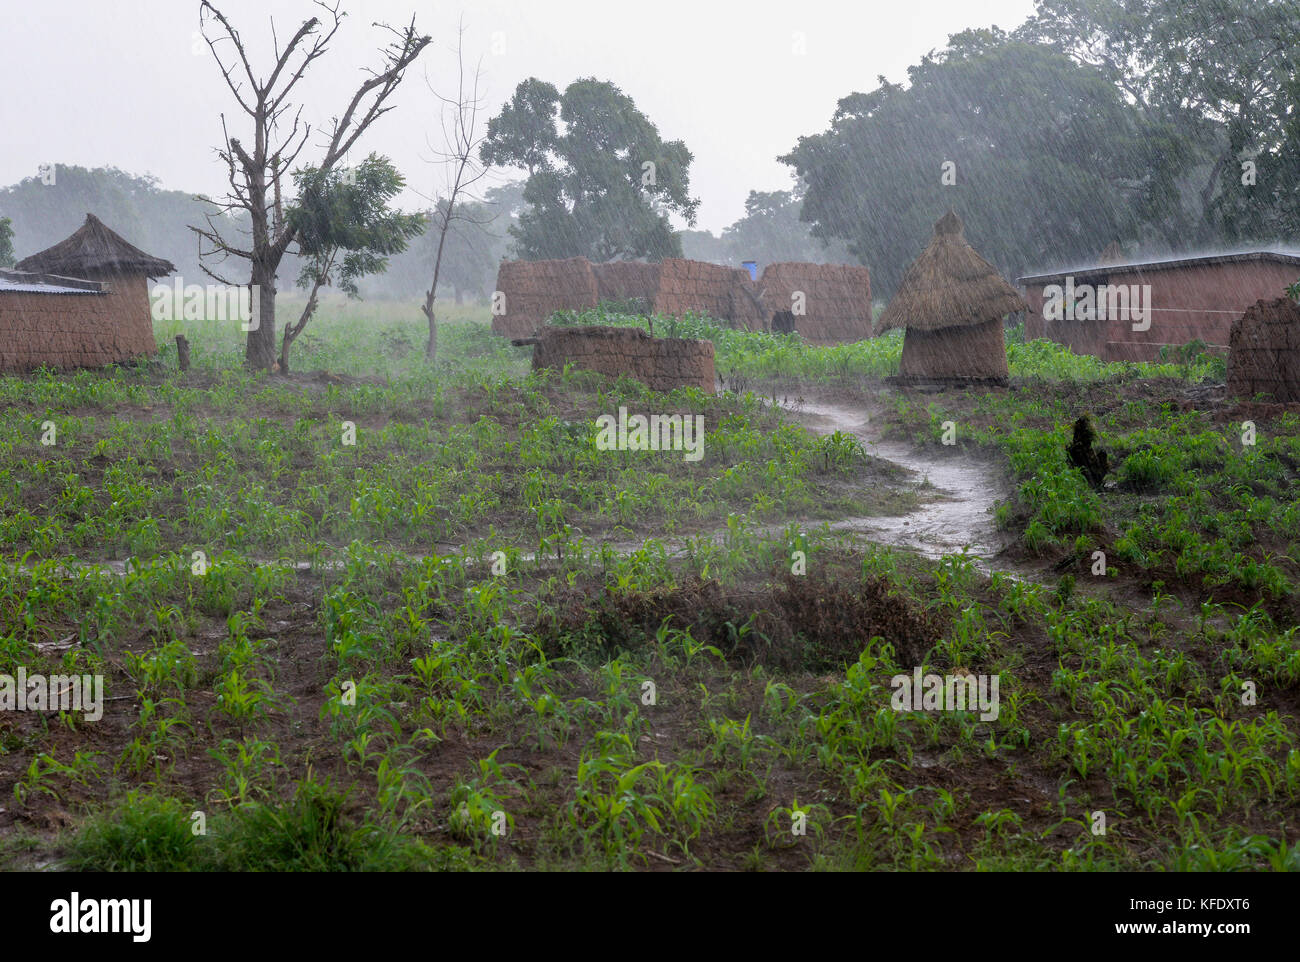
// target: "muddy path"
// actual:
[[958, 493]]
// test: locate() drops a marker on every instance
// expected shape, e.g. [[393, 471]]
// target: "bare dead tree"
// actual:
[[458, 157], [255, 172]]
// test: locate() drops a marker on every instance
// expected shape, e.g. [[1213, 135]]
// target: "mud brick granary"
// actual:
[[697, 287], [82, 303], [534, 290], [835, 300], [627, 281], [952, 301]]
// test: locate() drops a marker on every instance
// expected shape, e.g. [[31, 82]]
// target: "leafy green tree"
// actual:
[[601, 184], [524, 133], [6, 242], [345, 230], [1038, 154], [1214, 75]]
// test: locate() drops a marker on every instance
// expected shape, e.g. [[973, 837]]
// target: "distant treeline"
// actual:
[[157, 220], [1163, 126]]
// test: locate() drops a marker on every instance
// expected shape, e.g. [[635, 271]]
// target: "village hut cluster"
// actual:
[[953, 305], [951, 302], [85, 302], [823, 303]]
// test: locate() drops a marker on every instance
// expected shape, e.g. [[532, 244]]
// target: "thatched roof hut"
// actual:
[[95, 252], [952, 301], [82, 303]]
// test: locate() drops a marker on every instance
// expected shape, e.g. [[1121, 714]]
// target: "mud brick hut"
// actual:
[[624, 281], [82, 303], [1192, 298], [534, 290], [952, 301], [836, 301], [661, 363], [56, 322], [697, 287], [1264, 355]]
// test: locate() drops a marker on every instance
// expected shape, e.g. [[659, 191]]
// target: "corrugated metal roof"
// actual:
[[23, 282], [1093, 270]]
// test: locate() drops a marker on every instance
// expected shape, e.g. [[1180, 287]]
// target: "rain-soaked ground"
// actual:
[[957, 496], [956, 514]]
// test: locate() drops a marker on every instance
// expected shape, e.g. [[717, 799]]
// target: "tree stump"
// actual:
[[183, 352]]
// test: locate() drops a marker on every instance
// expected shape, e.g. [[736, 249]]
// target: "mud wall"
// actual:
[[978, 351], [534, 290], [837, 299], [626, 280], [662, 364], [1264, 354], [697, 287], [76, 330], [1191, 302]]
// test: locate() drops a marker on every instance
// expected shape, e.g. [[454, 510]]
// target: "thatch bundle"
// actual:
[[1264, 355], [949, 285], [94, 252]]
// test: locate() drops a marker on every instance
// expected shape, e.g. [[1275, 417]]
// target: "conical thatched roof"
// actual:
[[94, 250], [949, 285]]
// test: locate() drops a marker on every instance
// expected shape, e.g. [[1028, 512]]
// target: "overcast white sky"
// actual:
[[126, 83]]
